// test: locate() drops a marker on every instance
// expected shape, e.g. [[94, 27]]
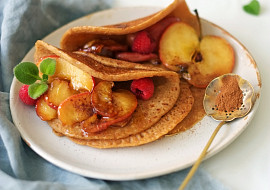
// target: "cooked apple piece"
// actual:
[[76, 108], [102, 99], [44, 111], [217, 58], [124, 103], [177, 45], [201, 60], [79, 79], [58, 91]]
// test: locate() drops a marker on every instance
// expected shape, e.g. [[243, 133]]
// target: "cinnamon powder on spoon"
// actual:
[[230, 97]]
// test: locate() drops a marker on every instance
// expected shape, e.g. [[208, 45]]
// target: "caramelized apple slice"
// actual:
[[79, 79], [75, 109], [102, 99], [44, 111], [59, 91], [124, 103]]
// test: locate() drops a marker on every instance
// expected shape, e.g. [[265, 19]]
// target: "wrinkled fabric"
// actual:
[[22, 23]]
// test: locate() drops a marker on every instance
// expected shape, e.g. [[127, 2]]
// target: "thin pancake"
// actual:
[[76, 37], [101, 67], [196, 114], [148, 112], [158, 130]]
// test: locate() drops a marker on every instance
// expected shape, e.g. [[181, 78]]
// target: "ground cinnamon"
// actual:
[[230, 97]]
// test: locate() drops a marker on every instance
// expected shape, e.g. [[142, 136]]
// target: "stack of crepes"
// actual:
[[154, 118]]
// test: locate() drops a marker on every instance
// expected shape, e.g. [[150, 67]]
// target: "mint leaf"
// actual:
[[45, 77], [26, 73], [37, 89], [253, 7], [47, 66]]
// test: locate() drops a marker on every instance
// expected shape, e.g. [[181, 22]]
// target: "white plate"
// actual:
[[161, 157]]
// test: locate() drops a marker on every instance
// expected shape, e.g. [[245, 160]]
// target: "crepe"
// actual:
[[152, 118], [76, 37], [195, 115], [168, 122]]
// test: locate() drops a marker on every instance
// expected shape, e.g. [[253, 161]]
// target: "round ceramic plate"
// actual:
[[160, 157]]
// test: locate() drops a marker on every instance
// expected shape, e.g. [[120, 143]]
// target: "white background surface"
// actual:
[[245, 164]]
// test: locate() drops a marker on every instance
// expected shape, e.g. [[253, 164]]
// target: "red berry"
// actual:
[[24, 96], [143, 88], [142, 43]]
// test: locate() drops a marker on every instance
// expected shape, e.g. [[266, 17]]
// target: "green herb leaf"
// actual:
[[253, 7], [26, 73], [45, 77], [47, 66], [37, 89]]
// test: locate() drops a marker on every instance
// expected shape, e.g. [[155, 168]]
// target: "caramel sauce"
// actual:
[[196, 114]]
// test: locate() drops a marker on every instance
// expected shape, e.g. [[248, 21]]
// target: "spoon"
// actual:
[[211, 109]]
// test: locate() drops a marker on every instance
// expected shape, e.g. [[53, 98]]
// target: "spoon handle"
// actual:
[[199, 160]]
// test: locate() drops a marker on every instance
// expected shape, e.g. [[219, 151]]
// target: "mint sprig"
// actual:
[[253, 7], [28, 73]]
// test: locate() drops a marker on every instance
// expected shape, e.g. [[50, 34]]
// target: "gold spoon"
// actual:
[[210, 107]]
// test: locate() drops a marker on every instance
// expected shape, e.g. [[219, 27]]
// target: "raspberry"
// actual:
[[143, 88], [142, 43], [24, 96]]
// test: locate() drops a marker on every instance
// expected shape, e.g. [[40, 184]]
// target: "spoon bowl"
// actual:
[[212, 91]]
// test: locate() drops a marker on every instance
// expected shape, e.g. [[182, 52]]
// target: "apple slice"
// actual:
[[124, 103], [79, 79], [44, 111], [64, 70], [59, 90], [102, 99], [177, 45], [200, 61], [75, 109], [217, 58]]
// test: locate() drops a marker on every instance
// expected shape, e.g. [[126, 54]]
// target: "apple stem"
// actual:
[[199, 21]]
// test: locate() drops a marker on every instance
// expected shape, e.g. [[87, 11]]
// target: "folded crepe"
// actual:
[[77, 37], [152, 118], [163, 127]]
